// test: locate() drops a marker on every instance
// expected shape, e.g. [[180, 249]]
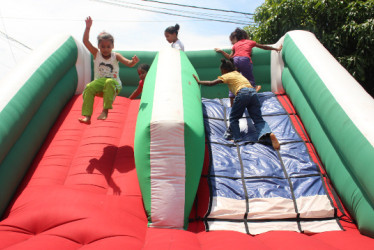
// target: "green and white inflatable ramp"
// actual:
[[169, 140]]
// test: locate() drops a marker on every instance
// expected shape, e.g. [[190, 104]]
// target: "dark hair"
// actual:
[[144, 67], [104, 36], [228, 65], [172, 29], [239, 34]]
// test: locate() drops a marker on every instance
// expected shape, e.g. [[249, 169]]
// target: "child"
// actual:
[[171, 34], [245, 97], [106, 72], [142, 71], [241, 53]]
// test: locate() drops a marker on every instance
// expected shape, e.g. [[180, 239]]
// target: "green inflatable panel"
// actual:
[[169, 140]]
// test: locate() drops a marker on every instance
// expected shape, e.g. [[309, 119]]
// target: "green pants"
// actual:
[[103, 87]]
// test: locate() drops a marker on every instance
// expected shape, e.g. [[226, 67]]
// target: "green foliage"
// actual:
[[345, 28]]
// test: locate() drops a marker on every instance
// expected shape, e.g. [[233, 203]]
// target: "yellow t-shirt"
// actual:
[[236, 81]]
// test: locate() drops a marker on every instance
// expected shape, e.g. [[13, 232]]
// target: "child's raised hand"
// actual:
[[280, 48], [135, 59], [218, 50], [88, 22]]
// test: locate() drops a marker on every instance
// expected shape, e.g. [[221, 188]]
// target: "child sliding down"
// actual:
[[106, 71], [245, 98]]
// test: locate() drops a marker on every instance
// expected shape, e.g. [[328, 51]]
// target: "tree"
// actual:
[[345, 28]]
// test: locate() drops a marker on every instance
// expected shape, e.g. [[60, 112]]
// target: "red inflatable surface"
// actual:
[[82, 192]]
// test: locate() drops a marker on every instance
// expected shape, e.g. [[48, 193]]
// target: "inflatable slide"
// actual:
[[157, 174]]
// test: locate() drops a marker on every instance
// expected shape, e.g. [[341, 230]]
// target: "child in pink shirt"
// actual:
[[241, 53]]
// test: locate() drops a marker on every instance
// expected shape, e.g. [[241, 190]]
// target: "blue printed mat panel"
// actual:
[[254, 188]]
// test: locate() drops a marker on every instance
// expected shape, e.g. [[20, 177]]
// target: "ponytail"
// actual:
[[173, 29]]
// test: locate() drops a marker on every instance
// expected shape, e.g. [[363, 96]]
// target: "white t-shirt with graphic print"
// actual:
[[107, 68]]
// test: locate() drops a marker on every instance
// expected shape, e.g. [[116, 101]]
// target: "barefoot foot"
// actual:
[[86, 120], [103, 115], [274, 141]]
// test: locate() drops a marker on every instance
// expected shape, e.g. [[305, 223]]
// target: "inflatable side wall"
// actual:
[[31, 98], [169, 140], [338, 115]]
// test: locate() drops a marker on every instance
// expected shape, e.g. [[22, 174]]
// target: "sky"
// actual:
[[30, 23]]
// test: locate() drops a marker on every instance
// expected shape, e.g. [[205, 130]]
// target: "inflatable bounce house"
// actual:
[[157, 174]]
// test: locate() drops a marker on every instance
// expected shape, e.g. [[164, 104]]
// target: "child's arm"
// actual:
[[266, 47], [129, 63], [136, 92], [207, 83], [227, 56], [86, 37]]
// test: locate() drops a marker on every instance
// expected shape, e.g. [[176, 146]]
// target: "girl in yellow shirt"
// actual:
[[245, 97]]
